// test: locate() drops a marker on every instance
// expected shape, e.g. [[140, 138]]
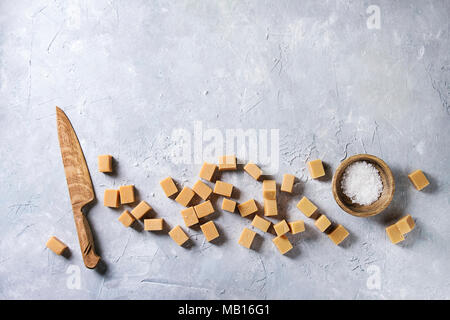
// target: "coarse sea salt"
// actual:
[[361, 182]]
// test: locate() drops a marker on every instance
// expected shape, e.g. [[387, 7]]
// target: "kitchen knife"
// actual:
[[80, 185]]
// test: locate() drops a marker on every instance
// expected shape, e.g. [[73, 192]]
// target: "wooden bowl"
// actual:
[[364, 210]]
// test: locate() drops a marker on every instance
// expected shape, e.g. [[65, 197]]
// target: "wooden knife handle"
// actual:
[[90, 258]]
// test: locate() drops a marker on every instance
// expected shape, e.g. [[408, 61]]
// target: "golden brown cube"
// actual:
[[283, 244], [209, 230], [207, 171], [168, 186], [288, 183], [126, 218], [126, 194], [204, 209], [253, 170], [246, 238], [154, 224], [202, 189], [418, 179], [227, 163], [141, 210], [111, 198], [247, 208], [338, 234], [315, 168], [223, 188], [281, 228], [269, 189], [189, 216], [228, 205], [105, 163], [394, 234], [405, 224], [270, 207], [185, 196], [178, 235], [307, 207], [297, 226], [322, 223], [56, 245], [261, 223]]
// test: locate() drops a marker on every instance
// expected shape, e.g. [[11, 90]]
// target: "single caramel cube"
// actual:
[[228, 205], [288, 183], [253, 170], [189, 216], [246, 238], [111, 198], [202, 189], [247, 207], [338, 234], [185, 196], [126, 194], [227, 163], [418, 179], [56, 245], [168, 186], [394, 234], [105, 163], [297, 226], [223, 188], [204, 209], [153, 224], [261, 223], [140, 210], [126, 218], [283, 244], [270, 207], [307, 207], [405, 224], [281, 228], [207, 171], [322, 223], [178, 235], [315, 168], [209, 230], [269, 189]]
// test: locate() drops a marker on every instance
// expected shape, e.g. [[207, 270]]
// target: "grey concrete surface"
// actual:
[[129, 73]]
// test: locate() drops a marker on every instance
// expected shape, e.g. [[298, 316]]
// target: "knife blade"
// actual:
[[79, 183]]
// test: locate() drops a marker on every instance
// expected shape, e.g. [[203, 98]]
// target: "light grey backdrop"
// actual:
[[130, 72]]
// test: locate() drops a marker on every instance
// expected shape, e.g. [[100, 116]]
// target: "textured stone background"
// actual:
[[130, 72]]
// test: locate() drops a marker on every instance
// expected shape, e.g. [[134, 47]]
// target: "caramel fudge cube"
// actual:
[[223, 188], [261, 223], [405, 224], [281, 228], [185, 196], [228, 205], [307, 207], [126, 218], [153, 224], [204, 209], [283, 244], [126, 194], [227, 163], [418, 179], [253, 170], [394, 234], [322, 223], [178, 235], [105, 163], [315, 168], [202, 190], [338, 234], [247, 207], [56, 245], [168, 186], [288, 183], [141, 210], [209, 230], [270, 207], [111, 198], [189, 216], [296, 226], [246, 238], [269, 189], [207, 171]]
